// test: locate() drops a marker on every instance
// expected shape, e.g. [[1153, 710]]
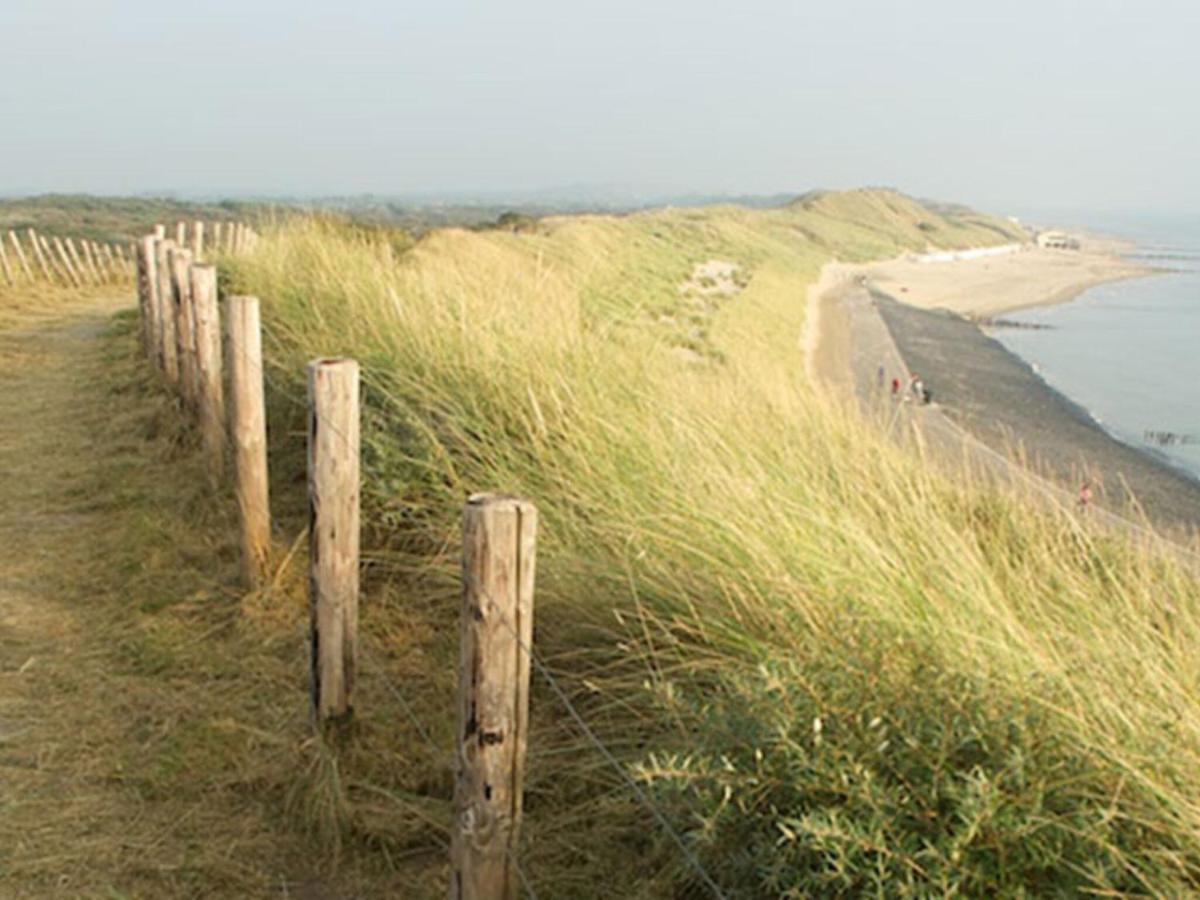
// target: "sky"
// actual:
[[1008, 105]]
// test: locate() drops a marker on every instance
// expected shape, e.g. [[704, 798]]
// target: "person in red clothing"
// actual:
[[1085, 496], [895, 386]]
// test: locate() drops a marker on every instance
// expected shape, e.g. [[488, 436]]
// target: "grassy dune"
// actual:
[[833, 669]]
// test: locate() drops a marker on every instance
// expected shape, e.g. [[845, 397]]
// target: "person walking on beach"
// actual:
[[918, 388], [880, 378], [895, 387], [1085, 496]]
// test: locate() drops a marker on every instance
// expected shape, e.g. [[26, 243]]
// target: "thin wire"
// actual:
[[439, 754], [612, 760]]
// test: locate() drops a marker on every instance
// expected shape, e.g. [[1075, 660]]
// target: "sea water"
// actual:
[[1129, 351]]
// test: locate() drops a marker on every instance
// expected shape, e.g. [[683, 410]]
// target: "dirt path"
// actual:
[[131, 763]]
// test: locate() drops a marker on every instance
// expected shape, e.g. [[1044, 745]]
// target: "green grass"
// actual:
[[837, 670], [114, 219]]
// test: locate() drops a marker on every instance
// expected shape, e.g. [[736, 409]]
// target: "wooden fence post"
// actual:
[[197, 240], [179, 259], [216, 237], [20, 253], [167, 343], [145, 304], [77, 258], [8, 272], [37, 253], [148, 264], [181, 235], [499, 551], [90, 261], [57, 271], [208, 369], [248, 425], [72, 276], [333, 488], [160, 232]]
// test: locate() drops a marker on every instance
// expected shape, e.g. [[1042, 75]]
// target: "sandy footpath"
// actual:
[[986, 287]]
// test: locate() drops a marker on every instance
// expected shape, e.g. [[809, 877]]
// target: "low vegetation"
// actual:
[[114, 219], [836, 671], [831, 668]]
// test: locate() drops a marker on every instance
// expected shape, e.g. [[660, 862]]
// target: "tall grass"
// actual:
[[836, 670]]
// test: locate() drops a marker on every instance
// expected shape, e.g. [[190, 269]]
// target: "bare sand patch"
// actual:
[[987, 286], [714, 276]]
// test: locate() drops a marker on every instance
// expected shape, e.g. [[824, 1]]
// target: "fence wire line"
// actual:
[[612, 760], [439, 754], [284, 390]]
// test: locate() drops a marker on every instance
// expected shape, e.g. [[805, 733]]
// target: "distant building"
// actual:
[[1056, 240]]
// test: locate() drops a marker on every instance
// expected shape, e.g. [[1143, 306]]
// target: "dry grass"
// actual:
[[727, 558], [153, 718]]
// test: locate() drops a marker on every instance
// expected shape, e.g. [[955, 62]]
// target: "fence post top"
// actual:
[[333, 362], [500, 500]]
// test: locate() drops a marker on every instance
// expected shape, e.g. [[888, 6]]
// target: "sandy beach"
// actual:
[[986, 287], [908, 316]]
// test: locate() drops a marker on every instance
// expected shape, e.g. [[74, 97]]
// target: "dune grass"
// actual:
[[835, 670]]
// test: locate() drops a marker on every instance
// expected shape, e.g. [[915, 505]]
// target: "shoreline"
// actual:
[[987, 287], [992, 395]]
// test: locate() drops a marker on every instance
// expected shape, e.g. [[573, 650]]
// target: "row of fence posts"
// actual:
[[181, 334], [62, 260]]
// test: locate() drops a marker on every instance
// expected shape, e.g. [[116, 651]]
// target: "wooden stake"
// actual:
[[208, 369], [58, 272], [197, 240], [499, 549], [85, 276], [167, 342], [145, 309], [248, 424], [216, 241], [160, 232], [20, 254], [333, 487], [90, 261], [179, 260], [8, 272], [72, 274], [181, 235], [148, 270]]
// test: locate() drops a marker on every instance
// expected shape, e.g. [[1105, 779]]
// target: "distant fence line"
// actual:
[[29, 257]]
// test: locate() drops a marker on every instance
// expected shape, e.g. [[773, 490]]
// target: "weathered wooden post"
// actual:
[[147, 268], [84, 276], [37, 252], [9, 278], [20, 254], [499, 551], [160, 232], [197, 240], [248, 427], [72, 275], [208, 369], [216, 238], [167, 342], [90, 261], [57, 271], [333, 489], [112, 262], [179, 259], [181, 235], [145, 309]]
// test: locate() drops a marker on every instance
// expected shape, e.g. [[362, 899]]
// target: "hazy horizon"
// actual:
[[1008, 108]]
